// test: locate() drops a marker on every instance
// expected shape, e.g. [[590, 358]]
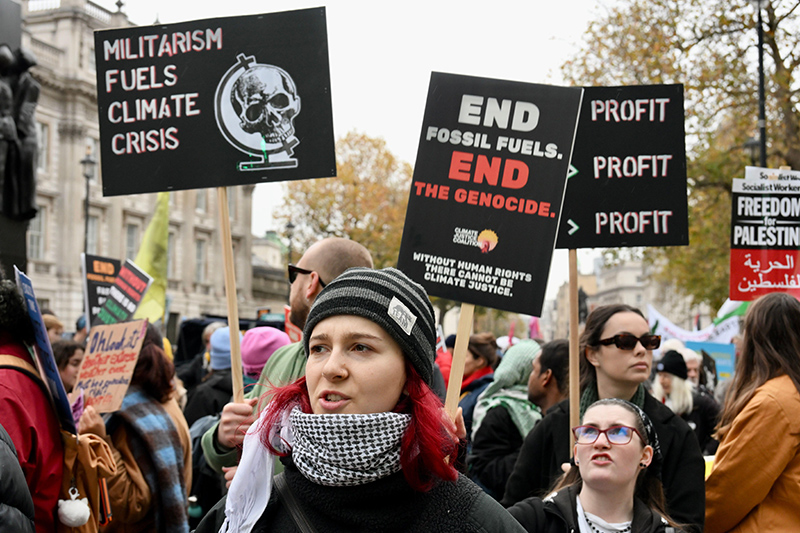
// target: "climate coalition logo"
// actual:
[[486, 240], [255, 105]]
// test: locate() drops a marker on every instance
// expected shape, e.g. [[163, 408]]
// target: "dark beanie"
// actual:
[[390, 299], [672, 362]]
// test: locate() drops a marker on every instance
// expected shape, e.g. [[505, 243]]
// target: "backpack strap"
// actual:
[[9, 361], [287, 497]]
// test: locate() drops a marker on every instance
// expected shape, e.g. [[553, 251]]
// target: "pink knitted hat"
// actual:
[[258, 345]]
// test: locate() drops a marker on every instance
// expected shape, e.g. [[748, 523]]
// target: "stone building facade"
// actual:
[[60, 33]]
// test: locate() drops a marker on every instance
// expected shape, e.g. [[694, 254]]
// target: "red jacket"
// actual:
[[31, 422]]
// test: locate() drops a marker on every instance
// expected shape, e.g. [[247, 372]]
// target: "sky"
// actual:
[[382, 53]]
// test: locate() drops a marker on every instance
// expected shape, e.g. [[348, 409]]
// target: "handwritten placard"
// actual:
[[112, 352]]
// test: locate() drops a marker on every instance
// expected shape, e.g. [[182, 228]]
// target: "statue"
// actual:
[[19, 93]]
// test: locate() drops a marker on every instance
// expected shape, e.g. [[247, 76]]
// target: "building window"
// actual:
[[43, 134], [202, 200], [36, 235], [92, 234], [171, 255], [200, 261], [131, 241]]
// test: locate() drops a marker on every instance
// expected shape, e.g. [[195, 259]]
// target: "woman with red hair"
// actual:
[[362, 437]]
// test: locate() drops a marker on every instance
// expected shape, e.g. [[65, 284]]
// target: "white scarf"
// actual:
[[331, 450]]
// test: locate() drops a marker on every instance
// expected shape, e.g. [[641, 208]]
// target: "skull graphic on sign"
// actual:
[[255, 108], [266, 101]]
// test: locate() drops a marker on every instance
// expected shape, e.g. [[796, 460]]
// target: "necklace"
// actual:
[[595, 527]]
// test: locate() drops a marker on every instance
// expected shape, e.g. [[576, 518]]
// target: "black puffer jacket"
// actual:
[[547, 447], [559, 514], [386, 505], [16, 505]]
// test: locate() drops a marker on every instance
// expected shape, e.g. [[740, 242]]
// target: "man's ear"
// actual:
[[314, 286], [546, 376]]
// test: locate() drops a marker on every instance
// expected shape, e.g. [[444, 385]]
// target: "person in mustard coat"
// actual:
[[755, 483]]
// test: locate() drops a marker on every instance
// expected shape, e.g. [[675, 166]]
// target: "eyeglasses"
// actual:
[[614, 434], [626, 341], [294, 270]]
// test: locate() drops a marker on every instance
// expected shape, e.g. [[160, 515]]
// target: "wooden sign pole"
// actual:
[[459, 356], [230, 292], [574, 351]]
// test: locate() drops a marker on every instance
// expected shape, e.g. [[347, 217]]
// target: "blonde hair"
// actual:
[[680, 394]]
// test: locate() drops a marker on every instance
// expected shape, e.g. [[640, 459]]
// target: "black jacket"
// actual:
[[494, 451], [386, 505], [209, 397], [559, 514], [16, 505], [547, 447], [703, 419]]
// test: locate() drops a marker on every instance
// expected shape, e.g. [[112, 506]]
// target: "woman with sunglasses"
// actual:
[[607, 489], [361, 436], [616, 358], [755, 482]]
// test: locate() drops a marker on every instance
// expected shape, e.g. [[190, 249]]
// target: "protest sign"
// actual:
[[216, 102], [111, 355], [765, 238], [45, 362], [124, 295], [627, 186], [759, 173], [99, 274], [724, 356], [720, 333], [487, 190]]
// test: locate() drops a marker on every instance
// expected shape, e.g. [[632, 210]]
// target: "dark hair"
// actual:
[[595, 323], [771, 348], [484, 346], [555, 357], [427, 452], [648, 486], [14, 318], [63, 350], [153, 372]]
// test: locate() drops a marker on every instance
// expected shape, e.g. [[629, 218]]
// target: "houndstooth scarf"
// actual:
[[347, 450], [330, 450]]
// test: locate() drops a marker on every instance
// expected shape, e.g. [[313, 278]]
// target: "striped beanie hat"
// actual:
[[390, 299]]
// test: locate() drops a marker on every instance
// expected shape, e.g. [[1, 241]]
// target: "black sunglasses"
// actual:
[[294, 270], [626, 341]]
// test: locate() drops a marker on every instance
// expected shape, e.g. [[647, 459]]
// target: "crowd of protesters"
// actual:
[[384, 457]]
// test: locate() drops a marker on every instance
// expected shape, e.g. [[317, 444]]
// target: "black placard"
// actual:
[[99, 274], [124, 295], [487, 190], [628, 184], [216, 102]]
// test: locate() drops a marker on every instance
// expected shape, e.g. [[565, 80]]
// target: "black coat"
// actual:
[[547, 447], [559, 514], [494, 451], [386, 505], [703, 419], [209, 397], [16, 505]]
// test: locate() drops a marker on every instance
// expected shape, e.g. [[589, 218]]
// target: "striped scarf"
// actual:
[[159, 454]]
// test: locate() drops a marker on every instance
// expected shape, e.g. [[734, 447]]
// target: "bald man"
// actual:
[[324, 261]]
